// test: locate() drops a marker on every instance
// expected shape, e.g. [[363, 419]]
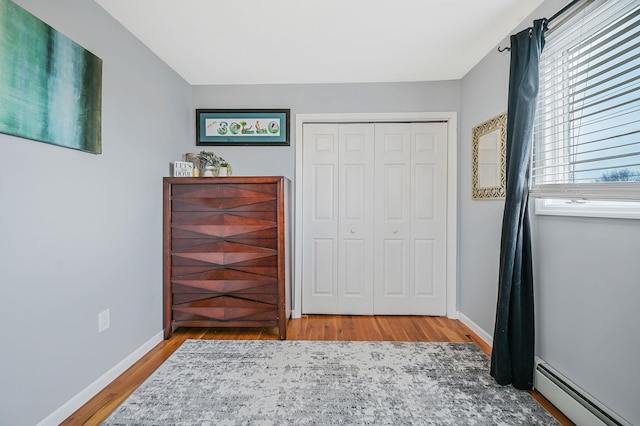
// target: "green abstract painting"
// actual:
[[50, 87]]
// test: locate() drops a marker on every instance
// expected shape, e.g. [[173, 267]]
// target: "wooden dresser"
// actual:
[[226, 253]]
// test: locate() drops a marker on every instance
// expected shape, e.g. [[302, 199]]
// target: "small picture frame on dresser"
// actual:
[[182, 169]]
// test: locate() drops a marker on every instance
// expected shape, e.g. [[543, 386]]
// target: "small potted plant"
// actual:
[[224, 169], [210, 161]]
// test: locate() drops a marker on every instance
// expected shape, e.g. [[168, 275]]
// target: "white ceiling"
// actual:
[[319, 41]]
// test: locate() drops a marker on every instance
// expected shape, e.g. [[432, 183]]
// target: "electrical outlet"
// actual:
[[104, 320]]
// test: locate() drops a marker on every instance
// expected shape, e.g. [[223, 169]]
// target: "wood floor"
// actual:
[[316, 327]]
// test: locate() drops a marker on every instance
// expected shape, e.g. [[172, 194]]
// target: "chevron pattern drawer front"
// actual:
[[224, 253]]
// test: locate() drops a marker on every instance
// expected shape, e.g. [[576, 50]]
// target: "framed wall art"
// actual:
[[242, 127], [50, 87]]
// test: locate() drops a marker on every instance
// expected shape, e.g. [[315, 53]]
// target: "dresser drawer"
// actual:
[[224, 225], [224, 282], [222, 197], [224, 309], [224, 190]]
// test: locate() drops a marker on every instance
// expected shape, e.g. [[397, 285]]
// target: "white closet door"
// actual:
[[338, 219], [392, 218], [320, 219], [374, 218], [356, 229], [410, 220]]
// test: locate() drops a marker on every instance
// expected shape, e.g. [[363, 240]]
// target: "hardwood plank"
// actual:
[[348, 329], [316, 327]]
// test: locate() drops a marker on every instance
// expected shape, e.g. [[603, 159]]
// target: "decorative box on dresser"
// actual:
[[226, 253]]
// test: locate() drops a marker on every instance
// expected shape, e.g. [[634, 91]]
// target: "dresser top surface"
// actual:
[[223, 180]]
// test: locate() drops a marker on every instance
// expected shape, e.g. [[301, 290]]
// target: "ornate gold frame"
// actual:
[[496, 124]]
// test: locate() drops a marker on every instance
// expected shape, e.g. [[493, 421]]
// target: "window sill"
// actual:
[[588, 208]]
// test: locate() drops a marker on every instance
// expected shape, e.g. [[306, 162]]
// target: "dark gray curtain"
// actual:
[[512, 359]]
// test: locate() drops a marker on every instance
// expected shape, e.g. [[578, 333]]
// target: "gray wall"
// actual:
[[81, 233], [484, 95], [318, 98], [586, 269], [587, 297]]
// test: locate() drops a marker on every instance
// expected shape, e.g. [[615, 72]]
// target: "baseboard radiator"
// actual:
[[574, 402]]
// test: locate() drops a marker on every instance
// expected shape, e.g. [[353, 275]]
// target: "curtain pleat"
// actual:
[[512, 358]]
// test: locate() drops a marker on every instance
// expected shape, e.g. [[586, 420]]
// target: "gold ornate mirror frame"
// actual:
[[489, 159]]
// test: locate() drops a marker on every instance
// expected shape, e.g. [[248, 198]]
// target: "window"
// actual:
[[586, 143]]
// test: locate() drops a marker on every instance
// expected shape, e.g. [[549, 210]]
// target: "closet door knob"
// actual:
[[353, 230], [395, 230]]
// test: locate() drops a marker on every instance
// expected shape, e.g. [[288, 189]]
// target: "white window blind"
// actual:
[[587, 129]]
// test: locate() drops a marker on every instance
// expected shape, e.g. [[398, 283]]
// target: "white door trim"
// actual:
[[452, 192]]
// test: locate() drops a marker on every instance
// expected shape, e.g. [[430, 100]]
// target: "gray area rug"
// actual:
[[258, 382]]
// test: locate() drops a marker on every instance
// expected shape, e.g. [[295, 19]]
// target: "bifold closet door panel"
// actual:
[[411, 222], [338, 219], [355, 219], [320, 218], [392, 217], [428, 270]]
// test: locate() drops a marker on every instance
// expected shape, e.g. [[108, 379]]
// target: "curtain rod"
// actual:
[[561, 11], [546, 21]]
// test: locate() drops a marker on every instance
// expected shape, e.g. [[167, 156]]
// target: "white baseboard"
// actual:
[[92, 390], [486, 337]]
